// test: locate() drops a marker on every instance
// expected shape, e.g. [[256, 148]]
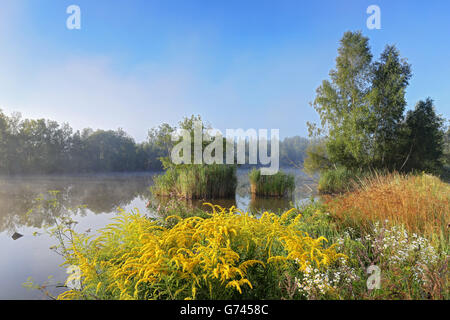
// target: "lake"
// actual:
[[29, 255]]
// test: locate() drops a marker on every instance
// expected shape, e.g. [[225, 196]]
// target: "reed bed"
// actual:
[[277, 185], [197, 182]]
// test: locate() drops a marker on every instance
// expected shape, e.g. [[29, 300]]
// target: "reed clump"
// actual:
[[340, 180], [197, 182], [277, 185]]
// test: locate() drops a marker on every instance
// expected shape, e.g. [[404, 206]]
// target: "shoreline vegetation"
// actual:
[[382, 207], [320, 250], [197, 182], [278, 185]]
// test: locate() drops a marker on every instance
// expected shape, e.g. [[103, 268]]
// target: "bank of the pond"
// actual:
[[320, 250]]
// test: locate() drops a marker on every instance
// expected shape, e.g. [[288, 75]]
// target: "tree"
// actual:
[[447, 147], [316, 157], [342, 103], [387, 105], [293, 151], [4, 139], [362, 114], [424, 130]]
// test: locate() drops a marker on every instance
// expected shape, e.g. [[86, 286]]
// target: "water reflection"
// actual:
[[244, 200], [99, 197], [98, 194]]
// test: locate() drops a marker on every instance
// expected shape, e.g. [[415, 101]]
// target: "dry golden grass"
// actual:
[[420, 202]]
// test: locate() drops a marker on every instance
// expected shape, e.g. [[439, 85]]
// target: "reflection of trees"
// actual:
[[105, 193], [99, 194]]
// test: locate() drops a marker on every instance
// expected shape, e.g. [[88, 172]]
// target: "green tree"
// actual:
[[362, 117], [342, 103], [387, 103], [447, 147], [293, 151], [424, 130]]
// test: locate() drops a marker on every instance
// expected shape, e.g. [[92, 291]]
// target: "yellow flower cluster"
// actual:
[[136, 258]]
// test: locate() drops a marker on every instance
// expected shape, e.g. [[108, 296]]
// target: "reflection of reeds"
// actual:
[[277, 185], [197, 182], [421, 203], [271, 204]]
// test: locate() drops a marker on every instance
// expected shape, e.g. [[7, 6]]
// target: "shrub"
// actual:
[[277, 185], [197, 181], [231, 255]]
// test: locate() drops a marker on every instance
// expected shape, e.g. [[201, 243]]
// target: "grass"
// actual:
[[420, 202], [197, 182], [338, 180], [321, 250], [277, 185]]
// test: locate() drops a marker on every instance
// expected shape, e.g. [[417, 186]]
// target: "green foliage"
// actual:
[[362, 115], [387, 103], [342, 102], [277, 185], [44, 146], [338, 180], [425, 138], [317, 159], [228, 255], [197, 181], [447, 147]]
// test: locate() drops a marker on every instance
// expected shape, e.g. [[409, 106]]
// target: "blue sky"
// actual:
[[239, 64]]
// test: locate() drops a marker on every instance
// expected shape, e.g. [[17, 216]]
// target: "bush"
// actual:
[[277, 185]]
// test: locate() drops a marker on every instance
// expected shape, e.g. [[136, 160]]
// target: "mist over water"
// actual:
[[100, 197]]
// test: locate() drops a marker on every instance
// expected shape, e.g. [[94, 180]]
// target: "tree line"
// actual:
[[44, 146], [29, 146]]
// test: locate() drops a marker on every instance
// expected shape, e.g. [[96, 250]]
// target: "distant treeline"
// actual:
[[44, 147]]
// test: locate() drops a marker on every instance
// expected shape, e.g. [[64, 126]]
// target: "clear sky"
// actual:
[[238, 63]]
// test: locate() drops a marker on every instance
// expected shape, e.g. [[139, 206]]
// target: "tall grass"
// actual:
[[277, 185], [420, 202], [339, 180], [197, 182]]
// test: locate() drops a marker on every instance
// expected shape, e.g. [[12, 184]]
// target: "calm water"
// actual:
[[100, 196]]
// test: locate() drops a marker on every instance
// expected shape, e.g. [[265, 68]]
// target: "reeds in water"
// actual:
[[197, 182], [277, 185]]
